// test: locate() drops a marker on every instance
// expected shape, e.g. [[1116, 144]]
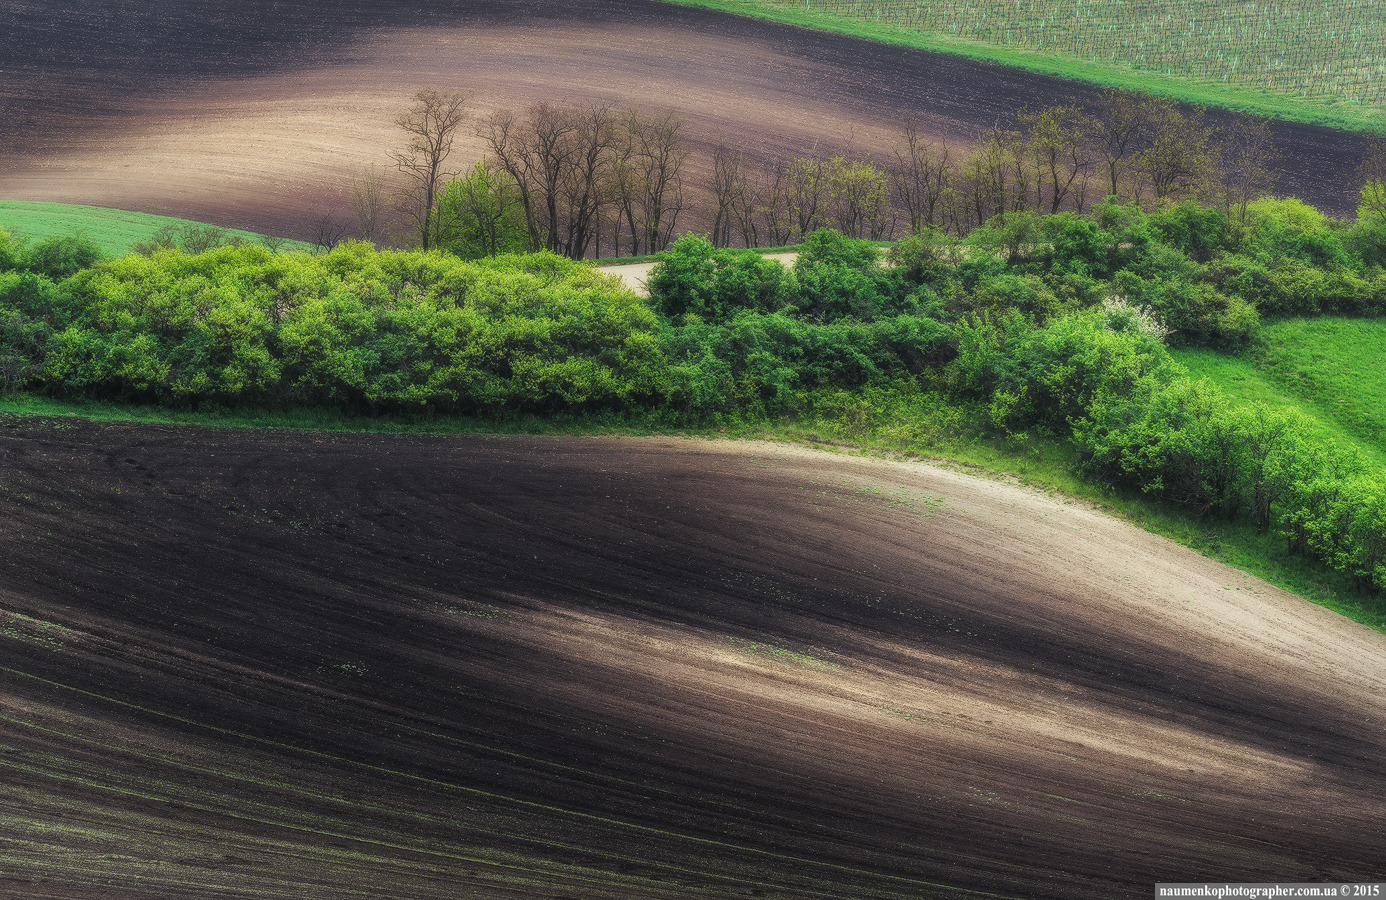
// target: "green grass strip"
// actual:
[[114, 230]]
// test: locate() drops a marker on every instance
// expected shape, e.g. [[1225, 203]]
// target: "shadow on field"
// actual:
[[246, 665], [255, 113]]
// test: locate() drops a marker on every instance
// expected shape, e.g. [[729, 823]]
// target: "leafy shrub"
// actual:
[[357, 328], [1028, 294], [24, 330], [1179, 441], [762, 364], [61, 256], [1078, 245], [1195, 311], [1280, 230], [923, 259], [1054, 374], [1196, 231], [695, 278], [11, 252], [826, 247]]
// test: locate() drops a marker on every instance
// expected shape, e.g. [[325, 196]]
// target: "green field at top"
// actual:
[[1322, 62], [1328, 368], [114, 230]]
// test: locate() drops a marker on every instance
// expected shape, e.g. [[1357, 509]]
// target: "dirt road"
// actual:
[[634, 275], [249, 665]]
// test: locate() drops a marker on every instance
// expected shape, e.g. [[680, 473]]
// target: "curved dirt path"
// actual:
[[635, 275], [248, 665], [255, 113]]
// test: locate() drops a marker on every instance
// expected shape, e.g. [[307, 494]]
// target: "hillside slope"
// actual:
[[257, 665], [256, 114]]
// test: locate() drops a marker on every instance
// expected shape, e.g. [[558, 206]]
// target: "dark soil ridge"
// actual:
[[84, 75], [241, 664]]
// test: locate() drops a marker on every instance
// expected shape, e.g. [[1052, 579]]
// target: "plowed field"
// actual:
[[254, 113], [278, 665]]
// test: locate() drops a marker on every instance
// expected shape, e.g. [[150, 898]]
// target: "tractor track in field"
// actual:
[[243, 664]]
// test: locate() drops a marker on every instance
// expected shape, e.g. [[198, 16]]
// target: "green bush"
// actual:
[[1195, 311], [694, 278], [61, 256], [762, 364], [1198, 232], [826, 247], [356, 328], [1282, 230], [1029, 294], [1078, 245], [1052, 375], [11, 252], [1179, 441]]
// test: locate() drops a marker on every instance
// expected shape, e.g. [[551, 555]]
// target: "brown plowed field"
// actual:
[[253, 113], [279, 665]]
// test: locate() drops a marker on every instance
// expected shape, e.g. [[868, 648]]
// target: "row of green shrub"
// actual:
[[353, 328], [1137, 419], [1206, 275], [1052, 323]]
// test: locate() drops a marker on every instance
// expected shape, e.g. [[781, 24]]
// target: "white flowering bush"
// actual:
[[1123, 317]]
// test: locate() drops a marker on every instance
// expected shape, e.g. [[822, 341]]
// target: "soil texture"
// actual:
[[255, 113], [240, 664]]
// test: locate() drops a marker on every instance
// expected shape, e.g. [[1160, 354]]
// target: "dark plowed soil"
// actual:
[[255, 113], [249, 665]]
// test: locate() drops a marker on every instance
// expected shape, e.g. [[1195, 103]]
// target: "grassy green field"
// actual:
[[1334, 365], [1323, 62], [1337, 407], [116, 231], [1328, 368]]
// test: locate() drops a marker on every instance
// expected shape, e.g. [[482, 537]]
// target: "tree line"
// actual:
[[596, 179]]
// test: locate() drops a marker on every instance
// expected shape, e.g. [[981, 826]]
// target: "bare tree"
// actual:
[[1179, 160], [367, 200], [1062, 159], [1246, 149], [919, 175], [807, 191], [562, 159], [430, 124], [1121, 131], [987, 175], [728, 189], [768, 202], [328, 232], [587, 185], [1372, 172], [648, 167], [858, 198], [513, 146]]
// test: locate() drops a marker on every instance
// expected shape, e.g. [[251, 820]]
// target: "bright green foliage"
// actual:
[[481, 215], [11, 252], [60, 256], [1051, 376], [693, 278], [1198, 232], [1335, 365], [762, 364], [1283, 230], [831, 248], [115, 231], [354, 328], [25, 301]]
